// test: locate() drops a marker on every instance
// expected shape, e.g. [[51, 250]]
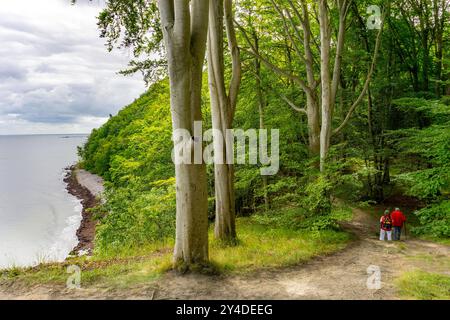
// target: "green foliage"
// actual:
[[134, 216], [135, 142], [299, 218], [434, 220], [132, 151], [445, 100], [135, 25], [429, 177], [425, 169], [317, 196]]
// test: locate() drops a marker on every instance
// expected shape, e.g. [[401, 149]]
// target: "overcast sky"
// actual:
[[56, 75]]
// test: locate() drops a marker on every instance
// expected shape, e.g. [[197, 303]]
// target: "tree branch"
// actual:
[[286, 30], [368, 80], [270, 65], [236, 57], [284, 98], [343, 10]]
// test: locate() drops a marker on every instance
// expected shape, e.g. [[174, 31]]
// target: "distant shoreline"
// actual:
[[89, 199]]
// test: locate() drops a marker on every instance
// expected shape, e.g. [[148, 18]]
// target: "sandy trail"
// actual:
[[342, 275], [92, 182]]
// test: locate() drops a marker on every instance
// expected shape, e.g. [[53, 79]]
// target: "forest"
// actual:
[[360, 93]]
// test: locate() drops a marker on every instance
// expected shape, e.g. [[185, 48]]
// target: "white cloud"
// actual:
[[56, 75]]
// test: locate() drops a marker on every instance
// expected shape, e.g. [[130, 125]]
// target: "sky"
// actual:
[[56, 75]]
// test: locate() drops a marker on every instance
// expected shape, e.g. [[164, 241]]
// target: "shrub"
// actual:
[[434, 220], [445, 100], [298, 218], [136, 216]]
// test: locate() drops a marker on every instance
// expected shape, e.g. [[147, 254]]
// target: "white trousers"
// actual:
[[383, 235]]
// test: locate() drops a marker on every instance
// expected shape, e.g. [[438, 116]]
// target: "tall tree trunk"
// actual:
[[325, 48], [387, 173], [223, 106], [313, 119], [330, 84], [415, 77], [439, 21], [184, 25], [261, 107], [312, 105], [426, 60]]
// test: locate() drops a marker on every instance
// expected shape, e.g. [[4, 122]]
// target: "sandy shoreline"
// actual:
[[87, 187]]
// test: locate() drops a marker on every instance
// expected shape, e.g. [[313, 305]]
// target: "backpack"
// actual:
[[387, 223]]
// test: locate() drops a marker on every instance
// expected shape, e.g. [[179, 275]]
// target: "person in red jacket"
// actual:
[[398, 220]]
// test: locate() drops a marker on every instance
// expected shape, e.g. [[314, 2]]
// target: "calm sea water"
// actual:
[[38, 218]]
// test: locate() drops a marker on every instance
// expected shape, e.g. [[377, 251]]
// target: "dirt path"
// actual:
[[342, 275]]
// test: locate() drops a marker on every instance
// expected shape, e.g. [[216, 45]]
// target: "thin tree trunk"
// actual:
[[222, 110], [439, 21], [312, 106], [261, 107], [313, 118], [325, 48]]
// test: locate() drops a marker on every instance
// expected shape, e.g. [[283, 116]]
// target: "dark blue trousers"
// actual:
[[397, 233]]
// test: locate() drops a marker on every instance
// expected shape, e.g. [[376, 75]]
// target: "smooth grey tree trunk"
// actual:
[[184, 25], [223, 105]]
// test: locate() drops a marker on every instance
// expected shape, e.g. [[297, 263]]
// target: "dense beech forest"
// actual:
[[360, 92]]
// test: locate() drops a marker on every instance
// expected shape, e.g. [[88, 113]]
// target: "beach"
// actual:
[[88, 188]]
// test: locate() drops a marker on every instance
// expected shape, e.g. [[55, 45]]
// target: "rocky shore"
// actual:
[[88, 188]]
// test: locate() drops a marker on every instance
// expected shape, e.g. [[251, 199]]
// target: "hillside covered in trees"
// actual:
[[380, 131]]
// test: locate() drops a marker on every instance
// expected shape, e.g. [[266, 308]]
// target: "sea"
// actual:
[[38, 217]]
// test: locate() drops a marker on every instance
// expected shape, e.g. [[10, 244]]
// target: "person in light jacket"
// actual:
[[386, 226]]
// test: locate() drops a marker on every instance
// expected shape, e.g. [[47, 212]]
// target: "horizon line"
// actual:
[[44, 134]]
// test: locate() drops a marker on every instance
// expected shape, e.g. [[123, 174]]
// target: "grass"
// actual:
[[444, 241], [259, 247], [422, 285], [439, 262], [262, 247]]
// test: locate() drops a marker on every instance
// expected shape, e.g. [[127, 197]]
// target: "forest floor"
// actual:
[[342, 275]]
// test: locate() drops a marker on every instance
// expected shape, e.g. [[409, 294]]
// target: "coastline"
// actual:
[[86, 231]]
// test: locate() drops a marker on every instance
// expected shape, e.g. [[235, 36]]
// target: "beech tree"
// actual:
[[172, 36], [223, 107], [185, 24]]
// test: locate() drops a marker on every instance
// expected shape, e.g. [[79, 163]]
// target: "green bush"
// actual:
[[445, 100], [298, 218], [135, 216], [434, 220], [317, 200]]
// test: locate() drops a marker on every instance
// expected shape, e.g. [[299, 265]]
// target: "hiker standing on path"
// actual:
[[386, 226], [398, 220]]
